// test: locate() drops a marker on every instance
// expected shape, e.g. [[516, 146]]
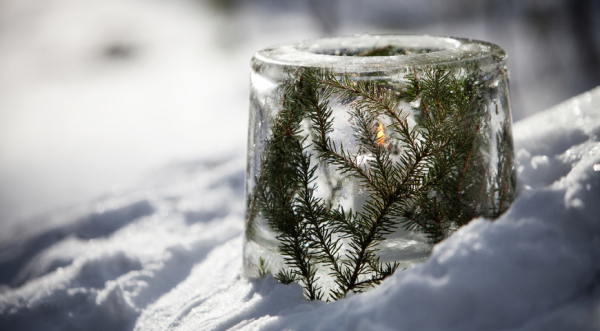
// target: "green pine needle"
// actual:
[[427, 177]]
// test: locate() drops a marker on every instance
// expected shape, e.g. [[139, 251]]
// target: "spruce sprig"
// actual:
[[392, 186], [430, 150], [426, 180], [278, 187], [504, 182], [451, 97]]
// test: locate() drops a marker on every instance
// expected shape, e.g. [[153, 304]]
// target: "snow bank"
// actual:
[[100, 270], [167, 256]]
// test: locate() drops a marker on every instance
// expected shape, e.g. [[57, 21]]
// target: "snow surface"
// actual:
[[167, 255]]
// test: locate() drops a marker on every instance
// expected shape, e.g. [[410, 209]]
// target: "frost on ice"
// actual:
[[167, 256]]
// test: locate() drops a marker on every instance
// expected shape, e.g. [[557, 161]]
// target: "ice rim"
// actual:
[[440, 50]]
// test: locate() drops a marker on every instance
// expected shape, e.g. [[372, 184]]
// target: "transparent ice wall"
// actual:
[[272, 67]]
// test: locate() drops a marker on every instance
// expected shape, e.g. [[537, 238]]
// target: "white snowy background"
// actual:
[[122, 152]]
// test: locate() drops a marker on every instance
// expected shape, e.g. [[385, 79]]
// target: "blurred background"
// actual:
[[96, 95]]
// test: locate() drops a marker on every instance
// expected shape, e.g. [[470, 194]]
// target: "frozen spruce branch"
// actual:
[[426, 177]]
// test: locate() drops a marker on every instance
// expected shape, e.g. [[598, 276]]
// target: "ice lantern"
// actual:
[[365, 151]]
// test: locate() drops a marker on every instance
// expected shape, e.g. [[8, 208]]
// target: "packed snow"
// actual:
[[167, 255]]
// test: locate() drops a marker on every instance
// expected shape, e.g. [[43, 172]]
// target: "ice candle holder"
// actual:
[[365, 151]]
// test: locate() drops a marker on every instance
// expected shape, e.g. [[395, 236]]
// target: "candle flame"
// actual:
[[380, 135]]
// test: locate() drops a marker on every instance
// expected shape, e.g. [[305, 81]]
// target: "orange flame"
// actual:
[[380, 135]]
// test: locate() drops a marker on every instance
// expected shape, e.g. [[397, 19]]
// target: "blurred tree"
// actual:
[[584, 18]]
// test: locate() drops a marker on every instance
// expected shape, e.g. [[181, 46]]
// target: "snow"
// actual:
[[167, 255], [164, 252]]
